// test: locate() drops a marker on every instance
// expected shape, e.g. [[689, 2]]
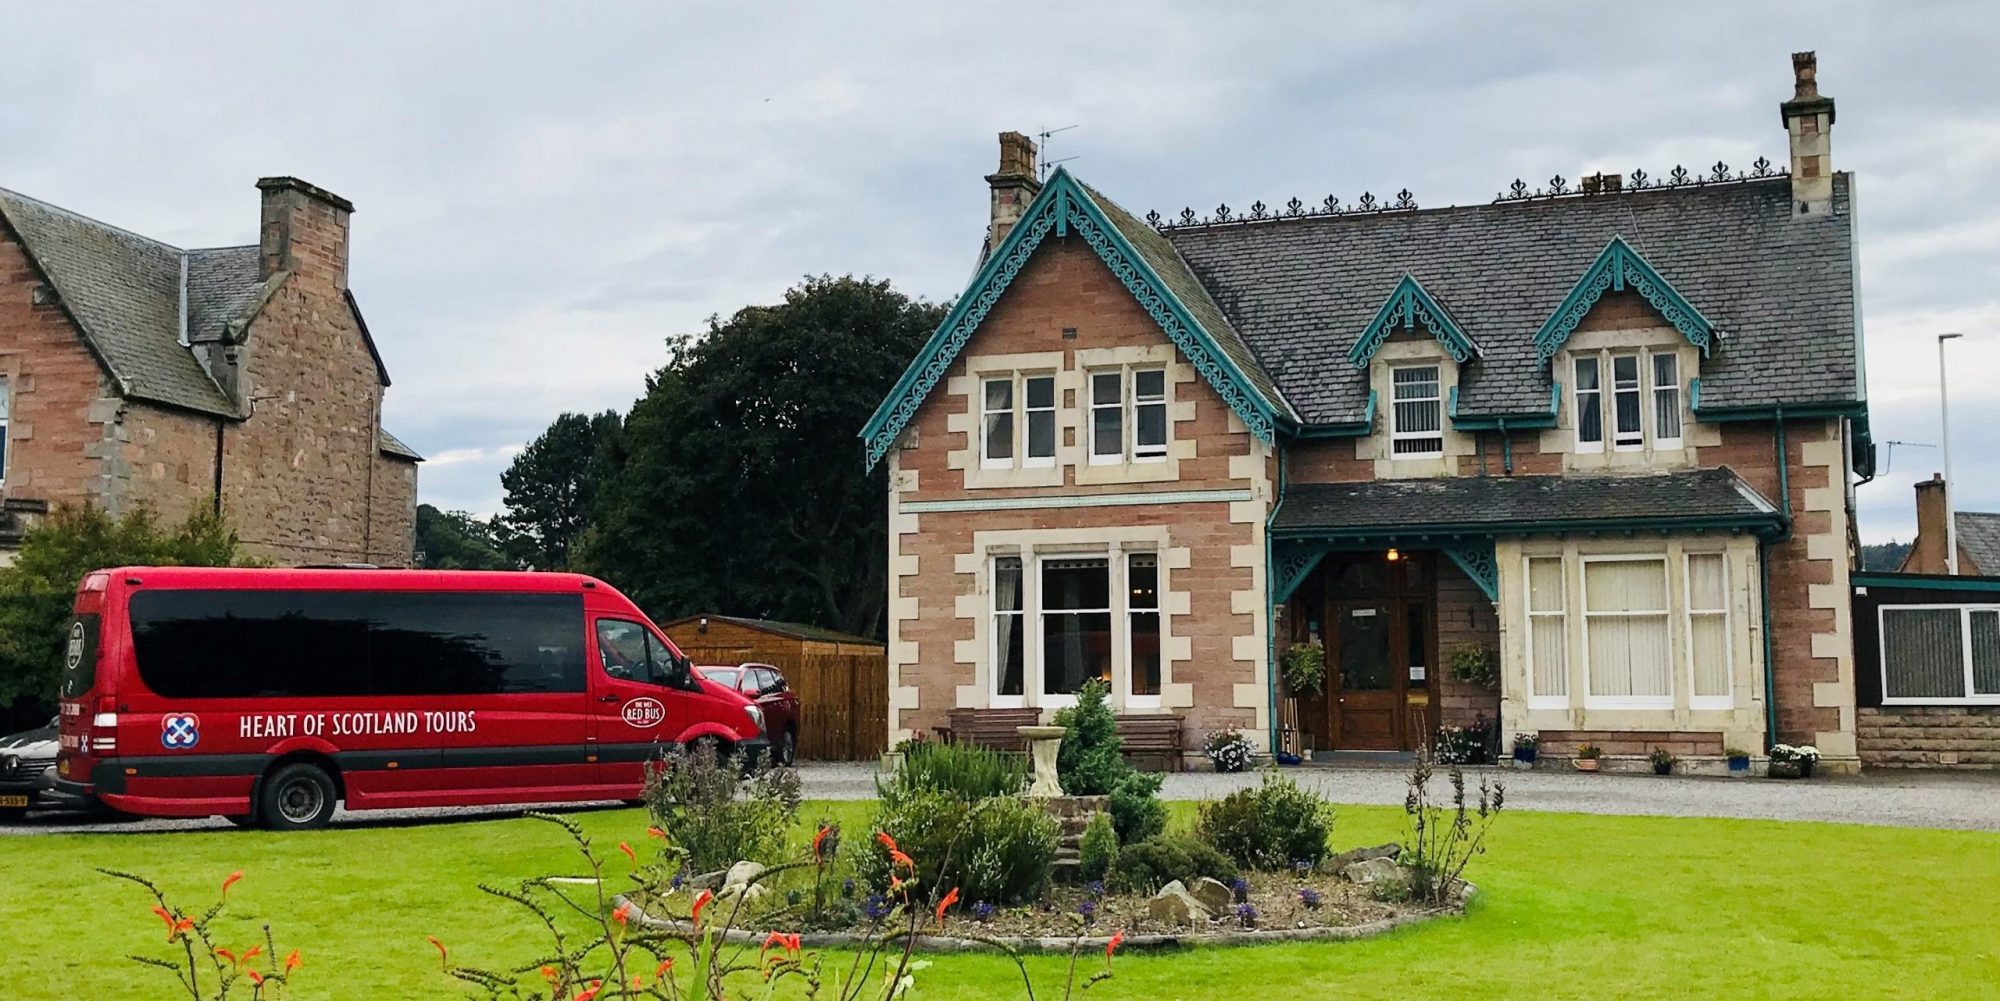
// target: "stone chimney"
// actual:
[[1809, 121], [1014, 186], [303, 231], [1927, 550]]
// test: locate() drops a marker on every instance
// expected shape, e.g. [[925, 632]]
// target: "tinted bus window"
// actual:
[[247, 644], [80, 656]]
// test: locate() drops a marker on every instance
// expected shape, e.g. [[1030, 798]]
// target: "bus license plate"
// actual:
[[13, 802]]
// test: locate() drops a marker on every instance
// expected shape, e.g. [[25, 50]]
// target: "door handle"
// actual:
[[608, 697]]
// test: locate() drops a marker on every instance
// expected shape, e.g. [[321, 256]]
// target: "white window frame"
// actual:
[[1396, 432], [995, 662], [1115, 405], [1596, 395], [1122, 595], [1666, 615], [1689, 613], [1638, 390], [1965, 613], [1143, 452], [1537, 700], [1027, 416], [1656, 394], [986, 413], [1038, 673]]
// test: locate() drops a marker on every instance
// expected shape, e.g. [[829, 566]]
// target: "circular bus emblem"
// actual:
[[179, 731], [74, 655], [644, 712]]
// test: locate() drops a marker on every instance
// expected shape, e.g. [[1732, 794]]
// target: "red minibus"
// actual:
[[268, 695]]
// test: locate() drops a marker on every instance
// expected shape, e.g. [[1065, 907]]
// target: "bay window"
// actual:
[[1548, 667], [1708, 631], [1417, 413], [1142, 634], [1625, 625]]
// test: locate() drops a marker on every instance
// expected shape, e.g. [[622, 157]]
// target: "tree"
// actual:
[[455, 540], [739, 486], [550, 486], [1884, 555], [39, 589]]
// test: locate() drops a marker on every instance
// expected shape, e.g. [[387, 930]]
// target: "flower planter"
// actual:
[[1585, 764], [1739, 767], [1800, 769], [1663, 768]]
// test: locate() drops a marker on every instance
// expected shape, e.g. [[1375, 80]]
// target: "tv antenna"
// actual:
[[1890, 459], [1046, 163]]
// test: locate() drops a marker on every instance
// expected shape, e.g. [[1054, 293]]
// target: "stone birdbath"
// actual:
[[1043, 743]]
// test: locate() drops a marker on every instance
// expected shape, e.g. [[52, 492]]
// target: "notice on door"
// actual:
[[1416, 672], [1363, 613]]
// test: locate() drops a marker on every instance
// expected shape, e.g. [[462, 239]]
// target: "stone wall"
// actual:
[[1210, 547], [1929, 737], [61, 404], [1464, 615]]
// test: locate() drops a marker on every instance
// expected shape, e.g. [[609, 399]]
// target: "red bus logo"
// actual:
[[644, 712]]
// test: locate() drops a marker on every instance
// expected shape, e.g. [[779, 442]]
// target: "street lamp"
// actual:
[[1950, 508]]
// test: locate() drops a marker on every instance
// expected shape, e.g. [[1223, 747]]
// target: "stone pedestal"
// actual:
[[1043, 744]]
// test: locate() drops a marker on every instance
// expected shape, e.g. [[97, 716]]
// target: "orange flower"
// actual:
[[168, 918], [622, 914], [629, 853], [949, 899], [252, 953], [255, 977], [820, 838], [444, 960], [590, 993], [699, 903], [665, 965], [293, 962], [656, 833], [887, 841], [792, 944], [230, 881], [1117, 939], [638, 982], [181, 927], [226, 954], [901, 859], [895, 882], [776, 938], [549, 974]]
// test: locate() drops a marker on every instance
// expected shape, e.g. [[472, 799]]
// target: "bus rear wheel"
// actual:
[[297, 797]]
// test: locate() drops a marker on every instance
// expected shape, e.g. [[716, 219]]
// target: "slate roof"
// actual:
[[1174, 273], [1521, 503], [1299, 291], [1979, 538], [124, 290], [392, 445]]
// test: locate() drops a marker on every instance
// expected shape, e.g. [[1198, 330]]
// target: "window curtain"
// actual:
[[1923, 653], [1627, 626], [1545, 626], [1007, 624], [1708, 624]]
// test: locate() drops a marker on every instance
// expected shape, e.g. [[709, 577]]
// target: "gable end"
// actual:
[[1618, 267]]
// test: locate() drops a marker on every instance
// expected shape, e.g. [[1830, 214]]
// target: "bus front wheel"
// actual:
[[297, 797]]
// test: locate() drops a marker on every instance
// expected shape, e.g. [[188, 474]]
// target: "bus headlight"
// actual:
[[756, 716]]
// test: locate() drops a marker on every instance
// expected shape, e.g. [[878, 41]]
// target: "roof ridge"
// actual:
[[233, 246], [93, 220]]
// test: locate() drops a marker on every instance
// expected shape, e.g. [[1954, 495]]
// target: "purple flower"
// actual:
[[847, 888], [1241, 889], [1088, 909], [1095, 888], [982, 911], [1309, 897], [1246, 915], [680, 878], [877, 907]]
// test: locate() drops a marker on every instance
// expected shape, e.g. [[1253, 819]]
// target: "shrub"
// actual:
[[996, 849], [1270, 827], [1442, 841], [963, 771], [1099, 848], [1090, 763], [1153, 863], [1228, 750], [701, 801], [1135, 808]]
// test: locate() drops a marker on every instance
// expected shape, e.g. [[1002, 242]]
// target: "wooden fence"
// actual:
[[843, 698]]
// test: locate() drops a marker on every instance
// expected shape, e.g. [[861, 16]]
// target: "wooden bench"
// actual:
[[1153, 735], [994, 728]]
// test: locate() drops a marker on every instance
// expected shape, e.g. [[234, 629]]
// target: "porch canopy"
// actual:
[[1461, 516]]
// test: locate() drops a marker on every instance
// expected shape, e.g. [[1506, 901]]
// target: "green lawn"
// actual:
[[1571, 906]]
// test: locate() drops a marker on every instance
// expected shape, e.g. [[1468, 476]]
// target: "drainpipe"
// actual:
[[1271, 605], [1785, 521], [1506, 448], [220, 424]]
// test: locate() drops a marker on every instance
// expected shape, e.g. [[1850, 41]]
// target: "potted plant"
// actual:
[[1304, 667], [1663, 761], [1526, 747], [1228, 750], [1739, 761], [1788, 762], [1472, 664], [1586, 758]]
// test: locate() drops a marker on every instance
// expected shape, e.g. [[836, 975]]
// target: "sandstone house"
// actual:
[[133, 372], [1604, 432]]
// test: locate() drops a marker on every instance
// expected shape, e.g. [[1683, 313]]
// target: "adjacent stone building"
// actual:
[[1595, 442], [137, 373]]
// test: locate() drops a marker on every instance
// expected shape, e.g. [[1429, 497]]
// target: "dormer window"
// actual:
[[1644, 404], [1417, 414]]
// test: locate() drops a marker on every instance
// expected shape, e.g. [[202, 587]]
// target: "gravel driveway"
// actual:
[[1966, 801]]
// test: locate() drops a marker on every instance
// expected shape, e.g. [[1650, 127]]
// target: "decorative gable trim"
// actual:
[[1409, 306], [1617, 268], [1063, 205]]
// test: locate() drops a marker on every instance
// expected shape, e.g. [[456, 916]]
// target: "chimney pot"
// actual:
[[1808, 119], [1014, 186]]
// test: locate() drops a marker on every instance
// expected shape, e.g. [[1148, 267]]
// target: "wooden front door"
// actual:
[[1380, 642]]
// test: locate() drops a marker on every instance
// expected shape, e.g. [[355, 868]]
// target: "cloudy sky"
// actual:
[[545, 196]]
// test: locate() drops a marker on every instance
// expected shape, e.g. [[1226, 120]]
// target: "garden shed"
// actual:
[[841, 679]]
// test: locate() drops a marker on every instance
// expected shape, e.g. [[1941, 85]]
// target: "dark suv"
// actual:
[[27, 770]]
